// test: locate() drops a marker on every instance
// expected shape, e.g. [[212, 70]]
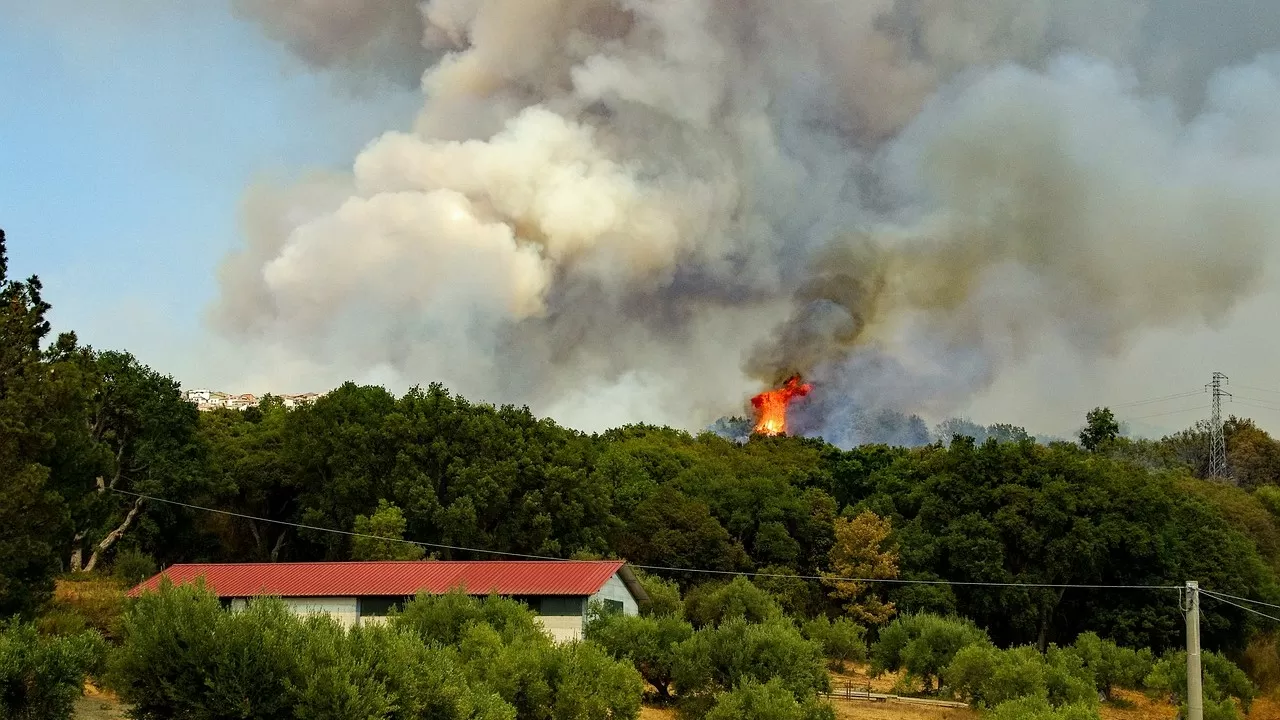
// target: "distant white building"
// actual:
[[207, 400]]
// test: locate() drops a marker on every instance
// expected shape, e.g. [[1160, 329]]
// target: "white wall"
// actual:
[[615, 589], [343, 609], [562, 628]]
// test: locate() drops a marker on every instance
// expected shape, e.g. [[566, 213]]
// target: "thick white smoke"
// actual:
[[623, 210]]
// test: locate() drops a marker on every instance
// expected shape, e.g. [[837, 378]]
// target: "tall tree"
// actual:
[[386, 522], [31, 514], [862, 550], [1100, 429], [148, 431]]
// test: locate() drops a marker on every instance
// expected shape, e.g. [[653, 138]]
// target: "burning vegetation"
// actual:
[[771, 406]]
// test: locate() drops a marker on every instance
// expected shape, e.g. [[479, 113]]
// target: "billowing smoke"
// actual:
[[624, 210]]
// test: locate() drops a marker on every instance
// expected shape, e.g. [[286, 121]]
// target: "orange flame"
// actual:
[[771, 406]]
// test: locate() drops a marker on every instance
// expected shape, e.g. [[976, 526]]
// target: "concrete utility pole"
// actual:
[[1218, 441], [1195, 696]]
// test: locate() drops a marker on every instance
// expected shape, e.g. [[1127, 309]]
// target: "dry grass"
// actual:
[[91, 600], [98, 705]]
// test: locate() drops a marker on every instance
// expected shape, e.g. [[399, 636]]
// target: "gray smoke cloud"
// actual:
[[622, 210]]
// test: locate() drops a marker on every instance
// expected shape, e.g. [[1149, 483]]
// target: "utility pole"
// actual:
[[1195, 696], [1217, 441]]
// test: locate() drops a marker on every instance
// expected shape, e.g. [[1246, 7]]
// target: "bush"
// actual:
[[1222, 682], [924, 645], [1113, 666], [842, 640], [987, 677], [771, 701], [714, 603], [41, 677], [649, 643], [1038, 709], [183, 656], [664, 596], [722, 658], [442, 618], [133, 566]]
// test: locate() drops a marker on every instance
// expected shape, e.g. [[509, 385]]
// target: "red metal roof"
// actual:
[[346, 579]]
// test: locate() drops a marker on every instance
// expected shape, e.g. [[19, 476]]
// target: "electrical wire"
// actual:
[[1150, 401], [1242, 607], [658, 568], [1259, 389], [1241, 599], [1171, 412]]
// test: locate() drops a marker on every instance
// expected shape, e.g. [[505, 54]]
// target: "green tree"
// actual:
[[387, 522], [36, 408], [717, 659], [664, 596], [1100, 429], [1113, 666], [843, 640], [40, 678], [649, 643], [1223, 681], [768, 701], [147, 434], [713, 603], [923, 645]]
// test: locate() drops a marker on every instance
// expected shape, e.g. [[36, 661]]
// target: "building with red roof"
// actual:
[[559, 592]]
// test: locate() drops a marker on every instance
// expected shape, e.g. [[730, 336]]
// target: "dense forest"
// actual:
[[85, 432]]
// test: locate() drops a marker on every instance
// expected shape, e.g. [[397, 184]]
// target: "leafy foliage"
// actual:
[[649, 642], [842, 640], [1223, 681], [924, 645], [768, 701], [862, 551], [41, 677], [721, 658], [713, 603], [386, 522]]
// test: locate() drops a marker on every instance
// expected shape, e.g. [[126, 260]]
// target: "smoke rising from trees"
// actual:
[[606, 207]]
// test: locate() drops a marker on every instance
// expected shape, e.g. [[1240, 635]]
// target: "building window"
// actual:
[[613, 607], [225, 603], [379, 606], [560, 606]]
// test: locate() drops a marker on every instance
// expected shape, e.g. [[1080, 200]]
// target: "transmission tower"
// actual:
[[1217, 441]]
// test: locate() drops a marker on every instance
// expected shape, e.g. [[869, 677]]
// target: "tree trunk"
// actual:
[[77, 553], [275, 551], [113, 536]]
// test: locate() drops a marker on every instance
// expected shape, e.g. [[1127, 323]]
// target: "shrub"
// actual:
[[649, 643], [442, 618], [183, 656], [664, 596], [987, 677], [770, 701], [132, 567], [1222, 682], [924, 645], [722, 658], [1113, 666], [842, 640], [41, 677], [714, 603], [1030, 708]]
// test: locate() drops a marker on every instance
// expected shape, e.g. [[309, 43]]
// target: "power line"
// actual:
[[1149, 401], [1242, 607], [1170, 412], [661, 568], [1242, 599], [1259, 389]]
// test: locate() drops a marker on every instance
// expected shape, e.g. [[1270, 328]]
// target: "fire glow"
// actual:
[[771, 406]]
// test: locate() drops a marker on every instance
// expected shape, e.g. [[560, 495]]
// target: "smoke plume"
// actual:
[[620, 210]]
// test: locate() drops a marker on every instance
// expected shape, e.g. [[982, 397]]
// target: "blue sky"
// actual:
[[125, 146]]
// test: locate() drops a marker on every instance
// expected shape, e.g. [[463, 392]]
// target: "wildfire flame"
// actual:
[[771, 406]]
